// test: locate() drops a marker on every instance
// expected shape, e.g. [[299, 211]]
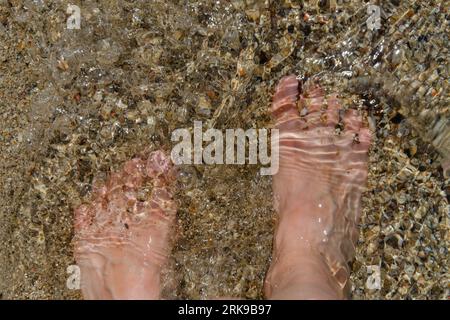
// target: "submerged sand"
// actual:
[[76, 104]]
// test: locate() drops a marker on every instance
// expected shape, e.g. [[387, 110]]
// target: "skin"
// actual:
[[123, 236], [317, 193]]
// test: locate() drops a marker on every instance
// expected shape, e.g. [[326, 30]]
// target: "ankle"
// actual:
[[302, 276]]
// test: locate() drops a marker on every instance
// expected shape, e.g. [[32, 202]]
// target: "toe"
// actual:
[[312, 101], [352, 121], [365, 136], [135, 167], [361, 141], [312, 89], [99, 189], [319, 110], [133, 181], [134, 173], [158, 164], [115, 180], [284, 106], [117, 200], [83, 217]]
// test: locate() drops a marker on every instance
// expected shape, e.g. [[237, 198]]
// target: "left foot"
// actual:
[[122, 237]]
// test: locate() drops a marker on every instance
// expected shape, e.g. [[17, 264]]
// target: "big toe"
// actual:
[[284, 106]]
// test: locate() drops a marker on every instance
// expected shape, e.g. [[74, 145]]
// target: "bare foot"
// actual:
[[317, 193], [122, 236]]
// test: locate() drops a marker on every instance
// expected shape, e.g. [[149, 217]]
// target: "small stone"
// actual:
[[204, 106], [401, 198], [253, 14]]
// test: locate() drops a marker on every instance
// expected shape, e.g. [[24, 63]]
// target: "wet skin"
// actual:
[[317, 193], [123, 235]]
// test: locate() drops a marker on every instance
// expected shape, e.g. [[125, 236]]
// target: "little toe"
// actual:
[[361, 141]]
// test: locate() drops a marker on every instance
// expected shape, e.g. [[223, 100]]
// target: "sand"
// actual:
[[76, 104]]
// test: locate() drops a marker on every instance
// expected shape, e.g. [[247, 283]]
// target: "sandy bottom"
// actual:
[[76, 104]]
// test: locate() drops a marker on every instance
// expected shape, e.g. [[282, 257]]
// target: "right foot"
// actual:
[[317, 193], [122, 237]]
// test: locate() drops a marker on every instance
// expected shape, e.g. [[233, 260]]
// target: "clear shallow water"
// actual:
[[78, 103]]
